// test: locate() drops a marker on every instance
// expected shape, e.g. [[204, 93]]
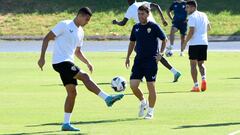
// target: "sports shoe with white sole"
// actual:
[[148, 116], [142, 108]]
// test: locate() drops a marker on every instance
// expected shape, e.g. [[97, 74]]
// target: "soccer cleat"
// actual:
[[142, 107], [176, 76], [204, 85], [195, 89], [148, 116], [110, 100], [68, 127]]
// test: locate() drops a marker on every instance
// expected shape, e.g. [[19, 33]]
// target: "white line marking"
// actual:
[[235, 132]]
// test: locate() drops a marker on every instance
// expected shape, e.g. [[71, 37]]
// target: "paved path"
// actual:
[[102, 46]]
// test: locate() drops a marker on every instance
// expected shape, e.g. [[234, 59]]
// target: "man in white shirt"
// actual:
[[197, 39], [132, 13], [68, 36]]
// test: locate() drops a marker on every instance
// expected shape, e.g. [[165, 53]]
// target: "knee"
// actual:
[[193, 66], [72, 94], [200, 65], [133, 86], [85, 77]]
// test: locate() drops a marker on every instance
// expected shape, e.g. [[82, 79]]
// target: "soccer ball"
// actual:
[[118, 84], [169, 53]]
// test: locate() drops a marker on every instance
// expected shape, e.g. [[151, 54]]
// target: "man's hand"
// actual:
[[90, 67], [165, 23], [114, 22], [41, 63], [127, 63]]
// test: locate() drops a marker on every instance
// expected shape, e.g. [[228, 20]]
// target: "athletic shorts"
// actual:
[[198, 52], [181, 26], [147, 69], [67, 71]]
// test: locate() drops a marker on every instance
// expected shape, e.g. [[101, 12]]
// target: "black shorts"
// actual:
[[147, 69], [67, 71], [198, 52], [181, 26]]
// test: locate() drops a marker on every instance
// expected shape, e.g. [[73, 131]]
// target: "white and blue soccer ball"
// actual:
[[169, 53], [118, 84]]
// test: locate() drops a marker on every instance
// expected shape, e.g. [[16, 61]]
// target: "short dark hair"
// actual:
[[144, 8], [192, 3], [85, 11]]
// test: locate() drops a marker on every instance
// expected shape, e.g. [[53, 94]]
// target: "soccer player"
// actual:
[[144, 38], [132, 13], [197, 40], [179, 22], [68, 36]]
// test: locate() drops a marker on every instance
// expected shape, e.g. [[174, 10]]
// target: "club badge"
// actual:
[[149, 30]]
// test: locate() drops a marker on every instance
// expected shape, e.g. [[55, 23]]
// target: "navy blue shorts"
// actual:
[[198, 52], [181, 26], [67, 70], [146, 68]]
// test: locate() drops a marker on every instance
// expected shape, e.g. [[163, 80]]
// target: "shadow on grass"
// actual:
[[172, 92], [208, 125], [49, 85], [46, 132], [88, 122], [234, 78]]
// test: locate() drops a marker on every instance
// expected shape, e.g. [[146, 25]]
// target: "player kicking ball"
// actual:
[[68, 36], [144, 39]]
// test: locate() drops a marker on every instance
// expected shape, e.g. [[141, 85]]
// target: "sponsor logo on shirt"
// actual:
[[149, 30]]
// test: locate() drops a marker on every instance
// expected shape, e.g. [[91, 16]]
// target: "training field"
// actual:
[[31, 101]]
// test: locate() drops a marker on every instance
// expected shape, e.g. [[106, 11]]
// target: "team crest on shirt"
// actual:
[[71, 31], [73, 68], [183, 6], [137, 29], [149, 30]]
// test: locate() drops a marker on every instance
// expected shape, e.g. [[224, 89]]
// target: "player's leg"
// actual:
[[68, 107], [193, 57], [202, 70], [172, 36], [183, 32], [201, 65], [183, 37], [135, 79], [150, 73], [134, 85], [92, 86], [151, 99], [65, 71], [175, 72], [193, 65]]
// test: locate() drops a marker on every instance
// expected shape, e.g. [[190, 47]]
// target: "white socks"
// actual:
[[143, 102], [103, 95], [174, 71], [204, 77], [67, 117], [196, 84], [150, 110]]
